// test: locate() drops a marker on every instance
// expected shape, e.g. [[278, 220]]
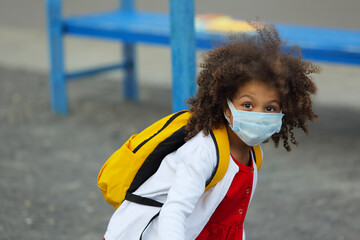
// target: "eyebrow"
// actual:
[[275, 101], [246, 96], [249, 96]]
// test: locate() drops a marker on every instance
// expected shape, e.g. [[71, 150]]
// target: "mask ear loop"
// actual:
[[231, 108]]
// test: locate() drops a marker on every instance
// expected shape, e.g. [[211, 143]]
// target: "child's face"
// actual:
[[256, 96]]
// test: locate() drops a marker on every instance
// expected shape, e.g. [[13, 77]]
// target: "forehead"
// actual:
[[258, 89]]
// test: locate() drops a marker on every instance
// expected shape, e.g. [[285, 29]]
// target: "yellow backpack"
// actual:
[[141, 155]]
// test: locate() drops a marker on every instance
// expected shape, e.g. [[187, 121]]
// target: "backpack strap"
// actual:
[[257, 152], [221, 141], [222, 146]]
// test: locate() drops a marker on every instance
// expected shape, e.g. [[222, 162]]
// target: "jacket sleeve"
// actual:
[[197, 162]]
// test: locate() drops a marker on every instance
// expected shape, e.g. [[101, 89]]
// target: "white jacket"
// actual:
[[180, 184]]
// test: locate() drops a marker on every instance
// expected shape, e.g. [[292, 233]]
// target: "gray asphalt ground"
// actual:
[[49, 164]]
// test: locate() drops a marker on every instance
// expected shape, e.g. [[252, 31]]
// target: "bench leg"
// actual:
[[56, 55], [129, 54], [130, 79], [57, 77], [183, 51]]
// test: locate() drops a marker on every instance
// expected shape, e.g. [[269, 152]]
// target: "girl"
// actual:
[[253, 90]]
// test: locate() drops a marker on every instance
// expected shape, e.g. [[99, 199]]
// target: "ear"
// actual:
[[228, 114]]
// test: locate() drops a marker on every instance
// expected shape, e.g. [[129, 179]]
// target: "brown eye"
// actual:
[[270, 109], [247, 105]]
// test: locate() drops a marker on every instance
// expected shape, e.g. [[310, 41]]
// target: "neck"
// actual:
[[238, 149]]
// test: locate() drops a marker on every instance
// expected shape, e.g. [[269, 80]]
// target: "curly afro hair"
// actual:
[[262, 56]]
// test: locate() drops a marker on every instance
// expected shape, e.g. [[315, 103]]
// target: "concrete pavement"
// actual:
[[49, 164]]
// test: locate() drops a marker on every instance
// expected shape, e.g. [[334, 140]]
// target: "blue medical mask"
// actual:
[[254, 128]]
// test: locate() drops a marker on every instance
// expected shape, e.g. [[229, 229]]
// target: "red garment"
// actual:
[[228, 219]]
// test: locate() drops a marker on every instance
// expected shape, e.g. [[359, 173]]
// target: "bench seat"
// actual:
[[131, 27], [317, 43]]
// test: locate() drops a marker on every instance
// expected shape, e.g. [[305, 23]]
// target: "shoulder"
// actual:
[[202, 138], [200, 146], [202, 141]]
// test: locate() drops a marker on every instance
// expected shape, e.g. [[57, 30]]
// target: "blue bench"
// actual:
[[176, 30]]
